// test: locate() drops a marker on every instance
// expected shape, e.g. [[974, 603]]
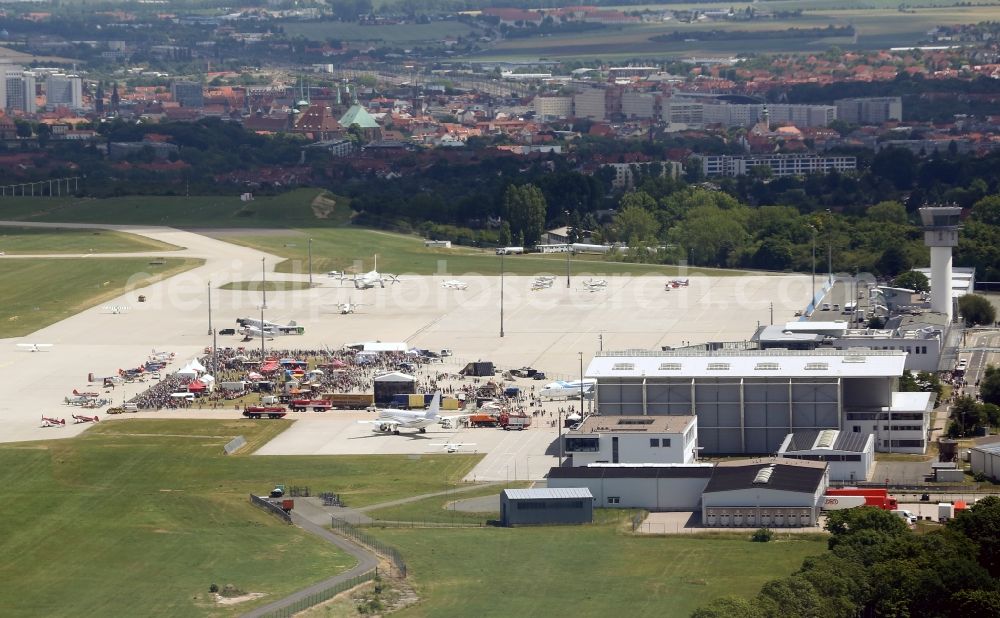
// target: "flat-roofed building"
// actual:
[[849, 455], [903, 426], [590, 103], [553, 108], [779, 164], [655, 487], [633, 440], [546, 506], [747, 401], [869, 110]]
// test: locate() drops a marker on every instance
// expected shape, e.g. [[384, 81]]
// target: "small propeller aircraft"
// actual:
[[53, 422], [453, 447], [454, 284], [79, 418], [116, 309], [35, 347]]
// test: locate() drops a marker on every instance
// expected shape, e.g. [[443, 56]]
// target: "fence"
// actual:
[[274, 509], [398, 523], [380, 548], [318, 597]]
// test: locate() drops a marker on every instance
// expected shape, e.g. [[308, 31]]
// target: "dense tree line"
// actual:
[[877, 566]]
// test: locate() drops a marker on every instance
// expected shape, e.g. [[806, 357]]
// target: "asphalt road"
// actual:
[[367, 561]]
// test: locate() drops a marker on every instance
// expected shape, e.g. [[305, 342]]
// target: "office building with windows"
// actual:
[[633, 439]]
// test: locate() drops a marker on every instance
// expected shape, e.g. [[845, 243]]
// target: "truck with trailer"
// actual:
[[510, 250], [483, 420], [316, 405], [349, 401], [517, 422], [264, 411], [876, 497]]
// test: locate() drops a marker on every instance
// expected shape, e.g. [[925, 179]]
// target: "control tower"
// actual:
[[941, 227]]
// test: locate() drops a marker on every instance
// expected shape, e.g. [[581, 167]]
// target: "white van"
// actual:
[[905, 515], [185, 396]]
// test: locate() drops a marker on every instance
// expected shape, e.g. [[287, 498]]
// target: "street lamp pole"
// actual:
[[263, 285], [209, 307], [501, 292], [581, 384], [813, 264], [567, 267], [310, 262], [262, 334]]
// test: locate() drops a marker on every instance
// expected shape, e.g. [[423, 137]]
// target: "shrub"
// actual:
[[213, 588], [762, 535]]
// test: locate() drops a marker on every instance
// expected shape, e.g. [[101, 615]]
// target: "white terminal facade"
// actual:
[[633, 440], [747, 402]]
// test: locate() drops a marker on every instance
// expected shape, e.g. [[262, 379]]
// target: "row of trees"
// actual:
[[876, 566]]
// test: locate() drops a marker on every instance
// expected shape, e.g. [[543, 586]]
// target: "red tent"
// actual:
[[196, 387], [269, 367]]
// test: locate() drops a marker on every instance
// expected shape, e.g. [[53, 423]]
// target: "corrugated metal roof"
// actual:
[[736, 364], [548, 493], [784, 477], [993, 449]]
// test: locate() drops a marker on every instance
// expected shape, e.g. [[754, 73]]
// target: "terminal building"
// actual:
[[921, 341], [747, 401]]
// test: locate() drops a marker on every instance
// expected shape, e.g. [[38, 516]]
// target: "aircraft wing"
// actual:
[[389, 422]]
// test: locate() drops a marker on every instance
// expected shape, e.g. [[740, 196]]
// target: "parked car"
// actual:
[[227, 331]]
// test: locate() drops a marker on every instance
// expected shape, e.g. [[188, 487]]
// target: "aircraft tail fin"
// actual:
[[292, 323], [432, 411]]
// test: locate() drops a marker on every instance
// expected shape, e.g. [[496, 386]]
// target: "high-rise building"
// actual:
[[870, 110], [590, 103], [188, 94], [20, 91], [63, 90]]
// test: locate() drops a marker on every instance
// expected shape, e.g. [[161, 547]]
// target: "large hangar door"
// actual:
[[668, 397]]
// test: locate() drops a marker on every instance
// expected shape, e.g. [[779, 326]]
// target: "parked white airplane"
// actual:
[[453, 447], [592, 285], [35, 347], [566, 390], [454, 284], [116, 309], [391, 421], [270, 328], [372, 278]]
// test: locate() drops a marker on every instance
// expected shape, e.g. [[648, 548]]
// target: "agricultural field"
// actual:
[[402, 34], [38, 241], [71, 285], [876, 28], [595, 570], [139, 517], [352, 249]]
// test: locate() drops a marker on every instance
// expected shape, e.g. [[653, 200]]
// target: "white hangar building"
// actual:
[[747, 401]]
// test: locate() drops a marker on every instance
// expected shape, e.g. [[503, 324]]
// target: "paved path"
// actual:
[[359, 516], [367, 561]]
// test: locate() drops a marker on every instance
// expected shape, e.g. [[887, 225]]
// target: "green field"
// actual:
[[405, 34], [352, 249], [438, 508], [211, 211], [27, 240], [139, 517], [71, 285], [584, 571], [269, 286]]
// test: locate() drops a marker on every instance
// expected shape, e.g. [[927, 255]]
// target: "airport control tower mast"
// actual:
[[941, 227]]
